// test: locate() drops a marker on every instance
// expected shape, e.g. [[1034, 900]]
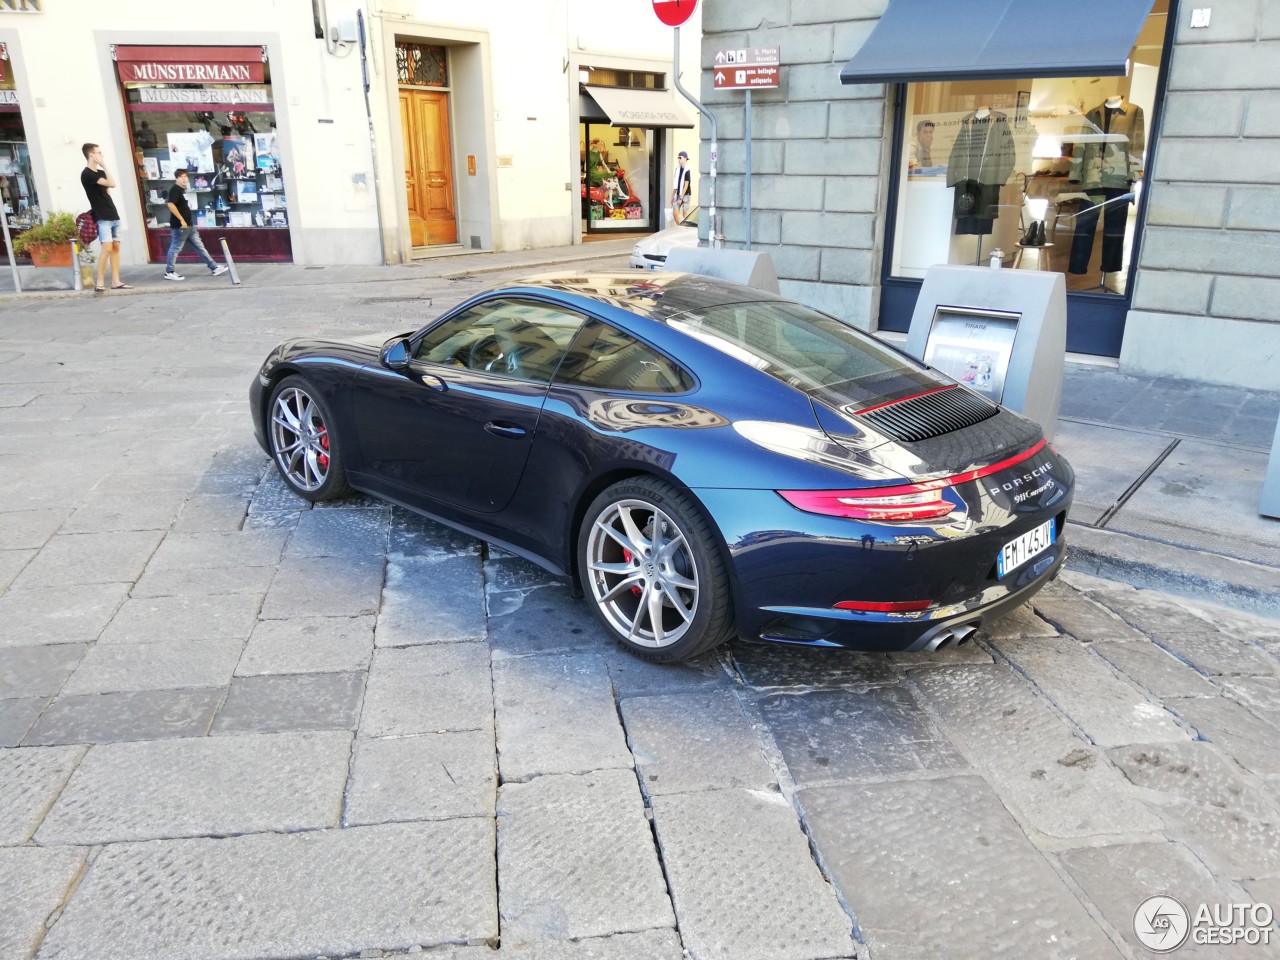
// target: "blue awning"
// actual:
[[921, 40]]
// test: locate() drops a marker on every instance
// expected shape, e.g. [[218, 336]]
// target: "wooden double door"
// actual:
[[428, 167]]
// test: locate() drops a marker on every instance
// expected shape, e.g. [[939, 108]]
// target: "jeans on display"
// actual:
[[1114, 217], [181, 237]]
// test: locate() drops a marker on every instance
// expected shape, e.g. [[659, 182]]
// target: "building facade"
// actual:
[[333, 131], [1144, 146]]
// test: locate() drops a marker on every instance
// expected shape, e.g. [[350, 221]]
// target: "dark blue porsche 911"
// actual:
[[701, 458]]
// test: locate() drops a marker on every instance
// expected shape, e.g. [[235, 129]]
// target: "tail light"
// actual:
[[881, 606], [901, 504]]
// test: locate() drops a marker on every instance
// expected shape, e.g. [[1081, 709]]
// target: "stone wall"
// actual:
[[1206, 302]]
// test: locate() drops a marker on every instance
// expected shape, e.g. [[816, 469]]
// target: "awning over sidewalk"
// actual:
[[921, 40], [629, 107]]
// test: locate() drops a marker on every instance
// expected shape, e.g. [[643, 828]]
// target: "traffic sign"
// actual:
[[674, 12], [750, 68]]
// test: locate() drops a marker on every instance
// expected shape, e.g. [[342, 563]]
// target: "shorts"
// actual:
[[108, 230]]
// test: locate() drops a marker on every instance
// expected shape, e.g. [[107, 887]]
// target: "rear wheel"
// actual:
[[653, 571], [303, 445]]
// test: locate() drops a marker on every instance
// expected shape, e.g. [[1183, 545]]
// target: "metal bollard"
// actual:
[[76, 283], [231, 264]]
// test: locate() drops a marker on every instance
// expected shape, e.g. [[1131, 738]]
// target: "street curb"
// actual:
[[1228, 581]]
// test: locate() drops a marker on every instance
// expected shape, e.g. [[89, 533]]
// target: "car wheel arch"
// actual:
[[598, 484]]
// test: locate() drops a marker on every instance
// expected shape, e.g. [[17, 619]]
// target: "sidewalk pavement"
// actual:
[[1169, 471], [237, 727]]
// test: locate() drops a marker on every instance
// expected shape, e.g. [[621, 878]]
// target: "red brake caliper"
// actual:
[[323, 459], [626, 555]]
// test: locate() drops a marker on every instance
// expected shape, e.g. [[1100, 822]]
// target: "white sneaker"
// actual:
[[171, 275], [219, 270]]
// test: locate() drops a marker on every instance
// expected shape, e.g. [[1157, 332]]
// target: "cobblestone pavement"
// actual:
[[235, 726]]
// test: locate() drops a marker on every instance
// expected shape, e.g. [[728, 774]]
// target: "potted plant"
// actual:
[[48, 243]]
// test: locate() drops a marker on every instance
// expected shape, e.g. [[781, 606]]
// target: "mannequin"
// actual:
[[1106, 168], [981, 161]]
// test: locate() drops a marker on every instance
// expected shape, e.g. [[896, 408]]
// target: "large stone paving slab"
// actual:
[[199, 617], [30, 529], [1237, 732], [1051, 779], [744, 883], [108, 668], [324, 587], [30, 781], [325, 893], [435, 776], [201, 787], [297, 701], [1109, 711], [340, 532], [634, 677], [1156, 670], [694, 742], [1209, 806], [108, 511], [556, 714], [1220, 654], [539, 617], [38, 671], [1076, 614], [856, 734], [90, 558], [201, 581], [937, 868], [432, 600], [308, 645], [774, 665], [1107, 460], [649, 945], [128, 715], [33, 883], [17, 716], [560, 879], [201, 551], [427, 690], [74, 613], [1117, 879]]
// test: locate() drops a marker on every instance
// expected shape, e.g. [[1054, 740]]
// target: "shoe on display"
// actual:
[[1040, 234], [219, 270], [1029, 238], [171, 275]]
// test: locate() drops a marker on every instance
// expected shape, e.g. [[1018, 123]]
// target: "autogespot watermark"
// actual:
[[1163, 924]]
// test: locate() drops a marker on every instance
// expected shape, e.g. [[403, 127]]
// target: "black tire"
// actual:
[[647, 553], [304, 446]]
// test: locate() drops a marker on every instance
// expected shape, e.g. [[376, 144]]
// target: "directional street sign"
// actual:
[[674, 12], [751, 68]]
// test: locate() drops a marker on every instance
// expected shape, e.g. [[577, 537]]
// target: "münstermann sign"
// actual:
[[153, 72]]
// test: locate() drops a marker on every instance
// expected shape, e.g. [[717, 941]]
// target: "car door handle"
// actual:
[[505, 430], [433, 382]]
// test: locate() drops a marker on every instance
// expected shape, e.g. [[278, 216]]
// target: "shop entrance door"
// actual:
[[428, 167]]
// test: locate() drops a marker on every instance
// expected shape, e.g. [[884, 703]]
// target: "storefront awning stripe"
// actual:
[[923, 40], [629, 107], [125, 54]]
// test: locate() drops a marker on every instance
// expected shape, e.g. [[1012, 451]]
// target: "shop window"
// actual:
[[209, 111], [17, 186], [617, 172], [1048, 171]]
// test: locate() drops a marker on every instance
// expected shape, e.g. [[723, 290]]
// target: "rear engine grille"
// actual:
[[930, 414]]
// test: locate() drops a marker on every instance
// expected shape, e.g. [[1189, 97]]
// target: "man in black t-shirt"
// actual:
[[96, 182], [182, 226]]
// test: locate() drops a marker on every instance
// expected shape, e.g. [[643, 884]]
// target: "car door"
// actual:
[[456, 426]]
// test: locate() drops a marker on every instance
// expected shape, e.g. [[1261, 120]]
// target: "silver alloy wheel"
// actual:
[[642, 574], [300, 439]]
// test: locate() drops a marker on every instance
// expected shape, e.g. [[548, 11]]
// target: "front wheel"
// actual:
[[304, 446], [653, 571]]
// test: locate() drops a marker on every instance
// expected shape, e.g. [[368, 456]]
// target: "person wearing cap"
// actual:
[[682, 191]]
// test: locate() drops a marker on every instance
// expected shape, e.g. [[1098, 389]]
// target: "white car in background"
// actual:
[[651, 252]]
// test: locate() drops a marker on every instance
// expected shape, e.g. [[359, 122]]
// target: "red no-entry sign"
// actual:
[[674, 12]]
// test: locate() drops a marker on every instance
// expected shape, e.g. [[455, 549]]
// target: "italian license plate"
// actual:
[[1017, 552]]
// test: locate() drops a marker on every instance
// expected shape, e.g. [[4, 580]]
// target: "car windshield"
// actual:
[[809, 351]]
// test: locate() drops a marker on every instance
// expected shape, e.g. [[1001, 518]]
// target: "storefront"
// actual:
[[17, 183], [208, 110], [624, 116], [1034, 152]]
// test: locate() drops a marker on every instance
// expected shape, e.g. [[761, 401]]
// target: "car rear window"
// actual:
[[807, 350]]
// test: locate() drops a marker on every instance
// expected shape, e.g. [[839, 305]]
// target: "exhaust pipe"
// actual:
[[952, 636]]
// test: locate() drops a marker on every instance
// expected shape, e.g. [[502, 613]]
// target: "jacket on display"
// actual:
[[984, 151], [1114, 158]]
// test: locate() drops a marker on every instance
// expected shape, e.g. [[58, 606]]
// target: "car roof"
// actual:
[[656, 294]]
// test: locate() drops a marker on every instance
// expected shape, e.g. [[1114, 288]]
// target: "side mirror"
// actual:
[[396, 355]]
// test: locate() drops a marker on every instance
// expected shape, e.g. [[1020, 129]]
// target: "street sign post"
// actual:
[[674, 12], [748, 68]]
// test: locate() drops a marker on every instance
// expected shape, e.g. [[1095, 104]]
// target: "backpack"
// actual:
[[88, 228]]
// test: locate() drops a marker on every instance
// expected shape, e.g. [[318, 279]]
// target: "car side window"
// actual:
[[523, 339], [605, 358]]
